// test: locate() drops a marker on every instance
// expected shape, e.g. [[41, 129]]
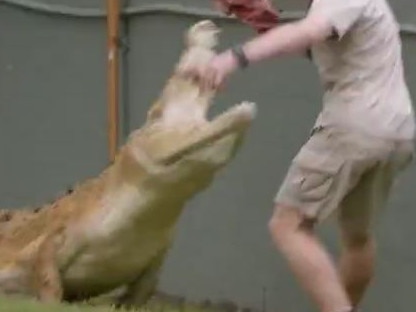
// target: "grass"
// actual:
[[156, 305], [24, 305]]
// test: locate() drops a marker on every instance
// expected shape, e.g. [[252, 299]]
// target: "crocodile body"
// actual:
[[115, 229]]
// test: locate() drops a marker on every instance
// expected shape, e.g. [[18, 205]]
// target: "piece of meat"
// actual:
[[258, 14]]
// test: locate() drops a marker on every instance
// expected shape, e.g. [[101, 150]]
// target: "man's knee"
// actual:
[[286, 221], [357, 239], [355, 229]]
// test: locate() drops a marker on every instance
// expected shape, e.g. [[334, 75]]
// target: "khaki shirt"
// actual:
[[361, 69]]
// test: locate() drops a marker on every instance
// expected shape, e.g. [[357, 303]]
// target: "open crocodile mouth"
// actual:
[[234, 120]]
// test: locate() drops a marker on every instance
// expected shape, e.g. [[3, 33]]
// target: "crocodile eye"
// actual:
[[209, 26], [6, 217]]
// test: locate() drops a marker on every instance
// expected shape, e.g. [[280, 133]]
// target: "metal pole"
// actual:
[[113, 16]]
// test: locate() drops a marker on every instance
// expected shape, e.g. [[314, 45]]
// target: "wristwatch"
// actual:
[[240, 56]]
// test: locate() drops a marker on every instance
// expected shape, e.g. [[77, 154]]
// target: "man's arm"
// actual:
[[291, 38]]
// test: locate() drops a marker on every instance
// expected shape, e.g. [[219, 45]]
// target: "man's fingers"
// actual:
[[183, 72], [188, 73], [207, 77], [210, 79]]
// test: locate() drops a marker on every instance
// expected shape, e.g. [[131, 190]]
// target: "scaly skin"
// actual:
[[114, 230]]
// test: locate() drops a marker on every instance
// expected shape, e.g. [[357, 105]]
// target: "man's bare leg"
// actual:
[[308, 260], [358, 256], [357, 267]]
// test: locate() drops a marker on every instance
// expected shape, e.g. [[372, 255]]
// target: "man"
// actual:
[[362, 139]]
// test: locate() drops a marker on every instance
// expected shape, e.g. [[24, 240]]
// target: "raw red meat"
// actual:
[[259, 14]]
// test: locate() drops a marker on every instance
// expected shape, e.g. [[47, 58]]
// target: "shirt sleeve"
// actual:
[[342, 14]]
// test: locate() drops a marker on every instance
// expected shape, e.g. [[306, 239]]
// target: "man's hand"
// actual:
[[221, 6], [212, 76]]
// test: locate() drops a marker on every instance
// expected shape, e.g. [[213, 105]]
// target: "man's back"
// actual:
[[362, 71]]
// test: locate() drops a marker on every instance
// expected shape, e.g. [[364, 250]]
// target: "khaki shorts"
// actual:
[[337, 168]]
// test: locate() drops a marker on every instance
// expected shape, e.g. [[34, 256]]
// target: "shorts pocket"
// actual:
[[316, 172]]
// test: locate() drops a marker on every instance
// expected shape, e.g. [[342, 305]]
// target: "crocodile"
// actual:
[[115, 229]]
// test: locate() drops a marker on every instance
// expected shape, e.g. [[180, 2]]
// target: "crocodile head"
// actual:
[[178, 136]]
